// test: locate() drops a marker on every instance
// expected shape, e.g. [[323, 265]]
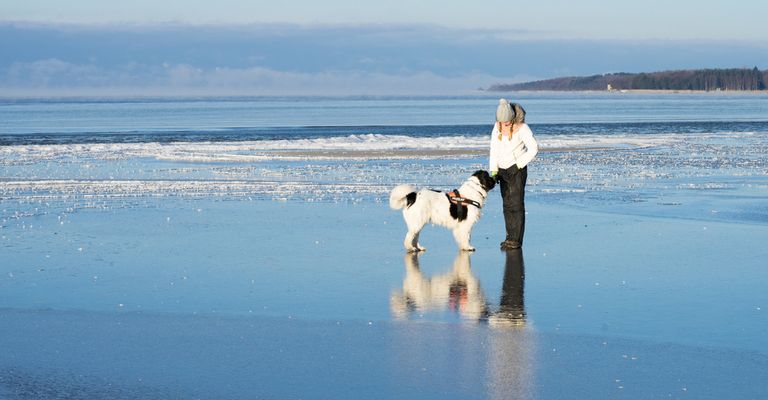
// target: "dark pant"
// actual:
[[513, 197]]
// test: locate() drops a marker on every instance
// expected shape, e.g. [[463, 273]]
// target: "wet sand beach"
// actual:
[[191, 300]]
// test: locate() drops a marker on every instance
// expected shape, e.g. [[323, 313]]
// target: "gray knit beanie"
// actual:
[[504, 112]]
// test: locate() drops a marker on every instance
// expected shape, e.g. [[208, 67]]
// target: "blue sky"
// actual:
[[358, 47]]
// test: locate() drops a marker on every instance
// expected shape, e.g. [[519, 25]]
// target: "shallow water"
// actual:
[[588, 272], [132, 356], [203, 298]]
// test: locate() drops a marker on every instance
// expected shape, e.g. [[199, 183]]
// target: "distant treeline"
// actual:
[[700, 79]]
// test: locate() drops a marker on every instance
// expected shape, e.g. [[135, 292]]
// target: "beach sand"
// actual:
[[230, 299]]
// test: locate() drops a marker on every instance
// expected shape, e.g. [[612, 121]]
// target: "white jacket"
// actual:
[[518, 151]]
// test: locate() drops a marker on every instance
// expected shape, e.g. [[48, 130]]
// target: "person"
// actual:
[[512, 148]]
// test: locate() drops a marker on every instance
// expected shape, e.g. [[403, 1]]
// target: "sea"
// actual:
[[610, 148]]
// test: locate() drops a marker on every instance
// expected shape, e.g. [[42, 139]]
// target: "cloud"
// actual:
[[56, 76], [321, 59]]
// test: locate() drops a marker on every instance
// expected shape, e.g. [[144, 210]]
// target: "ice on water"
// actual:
[[661, 168]]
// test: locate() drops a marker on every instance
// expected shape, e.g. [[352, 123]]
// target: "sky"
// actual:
[[341, 47]]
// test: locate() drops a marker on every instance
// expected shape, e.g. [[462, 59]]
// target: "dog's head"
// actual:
[[485, 179]]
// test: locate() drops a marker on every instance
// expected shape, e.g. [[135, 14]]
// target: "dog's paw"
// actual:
[[415, 249]]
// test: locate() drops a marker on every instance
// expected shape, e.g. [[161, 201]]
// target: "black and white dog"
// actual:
[[455, 211]]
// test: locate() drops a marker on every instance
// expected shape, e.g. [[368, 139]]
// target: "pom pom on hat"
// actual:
[[504, 112]]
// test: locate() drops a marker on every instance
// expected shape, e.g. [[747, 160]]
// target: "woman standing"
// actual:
[[512, 148]]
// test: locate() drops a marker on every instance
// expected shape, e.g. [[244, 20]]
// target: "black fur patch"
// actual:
[[458, 211], [485, 179], [410, 199]]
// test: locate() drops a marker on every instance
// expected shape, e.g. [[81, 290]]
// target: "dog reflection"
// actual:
[[512, 305], [457, 290]]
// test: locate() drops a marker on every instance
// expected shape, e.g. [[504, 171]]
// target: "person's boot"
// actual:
[[510, 245]]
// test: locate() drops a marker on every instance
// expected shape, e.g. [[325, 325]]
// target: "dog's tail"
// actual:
[[399, 197]]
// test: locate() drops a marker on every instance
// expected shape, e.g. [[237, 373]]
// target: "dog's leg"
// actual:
[[408, 242], [411, 242], [462, 236], [416, 242]]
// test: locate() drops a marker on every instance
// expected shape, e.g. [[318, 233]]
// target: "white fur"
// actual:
[[434, 207], [397, 197]]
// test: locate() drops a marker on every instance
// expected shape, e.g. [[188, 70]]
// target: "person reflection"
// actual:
[[457, 290], [512, 304], [511, 343]]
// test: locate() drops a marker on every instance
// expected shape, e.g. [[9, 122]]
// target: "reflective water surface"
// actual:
[[192, 298], [458, 291]]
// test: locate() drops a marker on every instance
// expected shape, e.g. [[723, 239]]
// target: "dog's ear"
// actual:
[[485, 179]]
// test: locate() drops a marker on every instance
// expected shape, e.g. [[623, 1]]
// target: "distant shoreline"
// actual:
[[653, 91], [680, 81], [637, 91]]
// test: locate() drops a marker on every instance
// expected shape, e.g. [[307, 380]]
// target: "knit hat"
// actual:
[[504, 112]]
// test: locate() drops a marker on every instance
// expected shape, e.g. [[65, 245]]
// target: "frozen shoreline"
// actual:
[[365, 146], [683, 175]]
